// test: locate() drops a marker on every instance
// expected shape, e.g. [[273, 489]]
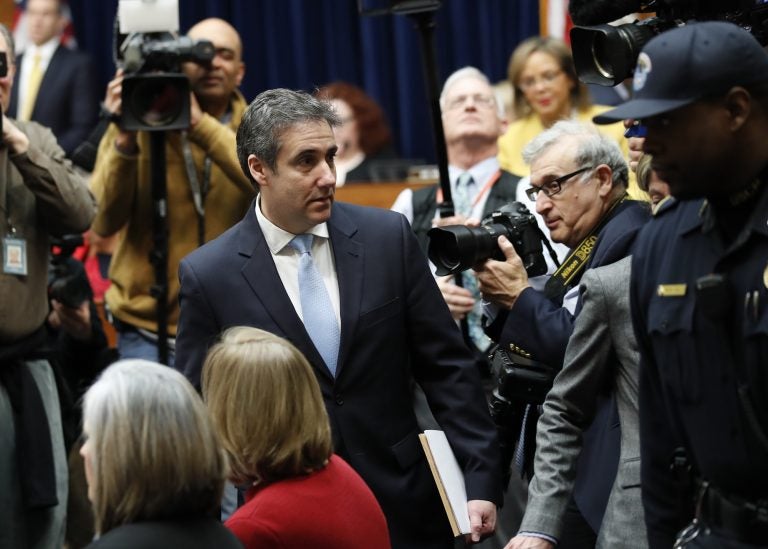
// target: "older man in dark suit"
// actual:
[[360, 302]]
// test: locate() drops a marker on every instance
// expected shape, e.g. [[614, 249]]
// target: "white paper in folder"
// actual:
[[451, 478]]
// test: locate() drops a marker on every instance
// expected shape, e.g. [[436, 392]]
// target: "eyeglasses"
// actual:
[[545, 78], [551, 188], [478, 99]]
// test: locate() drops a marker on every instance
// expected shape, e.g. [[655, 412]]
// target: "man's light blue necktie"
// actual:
[[462, 204], [316, 307]]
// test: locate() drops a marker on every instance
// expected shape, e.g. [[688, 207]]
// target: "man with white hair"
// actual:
[[473, 122]]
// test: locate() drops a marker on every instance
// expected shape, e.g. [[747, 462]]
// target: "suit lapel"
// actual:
[[261, 275], [348, 255], [52, 73]]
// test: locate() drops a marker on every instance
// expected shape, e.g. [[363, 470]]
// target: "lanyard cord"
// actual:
[[198, 191]]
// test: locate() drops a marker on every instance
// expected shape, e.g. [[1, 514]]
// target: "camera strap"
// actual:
[[573, 266], [198, 191]]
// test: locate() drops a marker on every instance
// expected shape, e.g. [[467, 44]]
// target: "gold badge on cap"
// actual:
[[765, 276], [672, 290]]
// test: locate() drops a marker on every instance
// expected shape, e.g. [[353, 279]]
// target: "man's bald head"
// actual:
[[207, 29], [215, 83]]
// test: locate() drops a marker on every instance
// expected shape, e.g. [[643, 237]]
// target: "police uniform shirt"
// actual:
[[692, 346]]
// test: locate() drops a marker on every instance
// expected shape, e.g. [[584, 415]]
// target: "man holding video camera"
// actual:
[[700, 285], [579, 182], [40, 196], [207, 191]]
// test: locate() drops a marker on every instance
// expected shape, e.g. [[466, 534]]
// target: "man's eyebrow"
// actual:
[[550, 176], [315, 150]]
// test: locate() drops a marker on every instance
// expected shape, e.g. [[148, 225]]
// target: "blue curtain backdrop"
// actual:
[[302, 44]]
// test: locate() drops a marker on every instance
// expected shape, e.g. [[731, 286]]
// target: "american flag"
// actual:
[[20, 26]]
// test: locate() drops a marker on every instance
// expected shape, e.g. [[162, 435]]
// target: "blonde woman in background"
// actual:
[[153, 462], [547, 89], [266, 403]]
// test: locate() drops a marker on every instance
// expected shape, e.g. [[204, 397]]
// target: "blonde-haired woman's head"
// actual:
[[266, 404], [150, 451]]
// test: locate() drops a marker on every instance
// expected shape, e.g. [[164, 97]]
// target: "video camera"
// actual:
[[68, 282], [155, 93], [456, 248], [606, 54]]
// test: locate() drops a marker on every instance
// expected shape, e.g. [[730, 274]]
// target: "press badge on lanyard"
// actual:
[[14, 255]]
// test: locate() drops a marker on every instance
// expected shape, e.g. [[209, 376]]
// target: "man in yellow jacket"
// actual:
[[207, 191]]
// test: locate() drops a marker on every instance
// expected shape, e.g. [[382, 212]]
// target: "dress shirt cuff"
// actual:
[[538, 535]]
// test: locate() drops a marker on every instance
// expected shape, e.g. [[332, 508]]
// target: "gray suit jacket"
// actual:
[[602, 352]]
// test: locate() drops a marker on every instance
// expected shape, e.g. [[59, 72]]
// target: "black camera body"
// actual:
[[456, 248], [155, 93], [607, 55], [68, 282], [521, 379]]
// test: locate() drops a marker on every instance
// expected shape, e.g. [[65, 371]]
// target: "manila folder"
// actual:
[[449, 479]]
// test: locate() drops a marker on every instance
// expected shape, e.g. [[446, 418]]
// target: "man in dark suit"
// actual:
[[579, 182], [385, 321], [55, 86]]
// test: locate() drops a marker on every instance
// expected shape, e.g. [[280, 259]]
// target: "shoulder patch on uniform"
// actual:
[[668, 203]]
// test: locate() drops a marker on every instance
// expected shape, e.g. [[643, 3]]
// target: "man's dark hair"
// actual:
[[269, 115]]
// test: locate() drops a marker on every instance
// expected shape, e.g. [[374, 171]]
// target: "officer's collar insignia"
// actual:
[[674, 290]]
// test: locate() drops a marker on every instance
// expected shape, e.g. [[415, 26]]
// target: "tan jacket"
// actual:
[[40, 195], [122, 185]]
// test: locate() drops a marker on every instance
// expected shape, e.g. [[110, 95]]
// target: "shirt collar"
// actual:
[[277, 238], [45, 50], [481, 172]]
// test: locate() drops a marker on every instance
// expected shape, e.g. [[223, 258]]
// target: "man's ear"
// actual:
[[738, 102], [259, 170], [604, 175]]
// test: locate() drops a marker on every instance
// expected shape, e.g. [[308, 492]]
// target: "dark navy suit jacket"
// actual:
[[68, 101], [395, 327]]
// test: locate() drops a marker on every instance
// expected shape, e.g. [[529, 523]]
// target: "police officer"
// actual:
[[700, 285]]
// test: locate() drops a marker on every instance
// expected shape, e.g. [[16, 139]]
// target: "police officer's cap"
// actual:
[[685, 64]]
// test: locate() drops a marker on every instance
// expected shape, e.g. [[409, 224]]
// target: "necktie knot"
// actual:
[[302, 243], [465, 179]]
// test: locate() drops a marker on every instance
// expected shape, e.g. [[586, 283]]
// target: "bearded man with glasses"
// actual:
[[579, 181]]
